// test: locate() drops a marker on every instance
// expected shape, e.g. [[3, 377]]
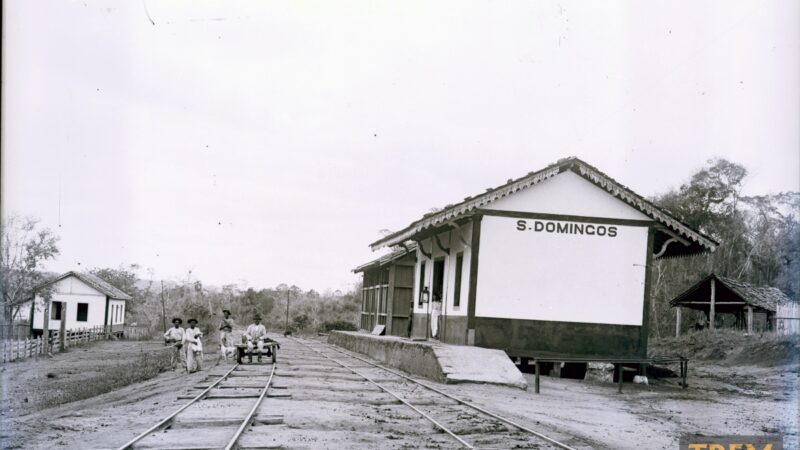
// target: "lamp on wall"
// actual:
[[425, 294]]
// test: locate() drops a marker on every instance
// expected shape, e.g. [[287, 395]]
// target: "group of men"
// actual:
[[188, 346]]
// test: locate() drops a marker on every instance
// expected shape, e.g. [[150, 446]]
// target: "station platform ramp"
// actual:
[[434, 360]]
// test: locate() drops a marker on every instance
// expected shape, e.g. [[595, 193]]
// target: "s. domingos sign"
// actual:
[[562, 270]]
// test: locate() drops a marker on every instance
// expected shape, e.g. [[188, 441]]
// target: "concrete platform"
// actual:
[[430, 359]]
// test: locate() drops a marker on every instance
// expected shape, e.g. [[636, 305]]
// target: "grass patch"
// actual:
[[109, 378]]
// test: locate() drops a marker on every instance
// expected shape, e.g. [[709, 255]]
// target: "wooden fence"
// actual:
[[24, 348]]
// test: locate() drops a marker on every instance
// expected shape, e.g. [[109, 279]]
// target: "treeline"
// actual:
[[759, 238], [156, 303]]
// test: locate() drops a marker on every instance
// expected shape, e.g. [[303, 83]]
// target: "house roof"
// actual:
[[762, 297], [92, 280], [387, 258], [670, 228]]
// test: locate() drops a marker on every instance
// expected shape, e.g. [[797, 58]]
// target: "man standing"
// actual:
[[255, 335], [194, 347], [174, 337], [225, 327]]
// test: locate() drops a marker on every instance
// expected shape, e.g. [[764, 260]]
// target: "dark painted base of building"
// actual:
[[538, 337], [529, 337]]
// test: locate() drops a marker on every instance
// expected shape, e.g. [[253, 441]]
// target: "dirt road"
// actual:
[[321, 414]]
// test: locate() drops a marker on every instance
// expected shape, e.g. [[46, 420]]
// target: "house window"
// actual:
[[421, 281], [83, 312], [55, 311], [457, 290]]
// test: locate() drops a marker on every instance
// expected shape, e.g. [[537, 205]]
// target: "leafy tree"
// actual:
[[127, 280], [24, 248], [759, 237]]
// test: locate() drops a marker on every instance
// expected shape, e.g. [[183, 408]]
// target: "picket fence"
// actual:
[[25, 348]]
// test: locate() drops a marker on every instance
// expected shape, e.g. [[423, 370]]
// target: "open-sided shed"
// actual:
[[714, 295]]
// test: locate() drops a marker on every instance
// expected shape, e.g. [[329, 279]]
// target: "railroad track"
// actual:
[[230, 398], [470, 425]]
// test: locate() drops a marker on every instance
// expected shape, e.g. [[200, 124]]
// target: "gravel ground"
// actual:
[[332, 411]]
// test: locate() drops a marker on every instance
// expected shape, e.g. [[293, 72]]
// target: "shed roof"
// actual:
[[693, 240], [92, 280], [761, 297]]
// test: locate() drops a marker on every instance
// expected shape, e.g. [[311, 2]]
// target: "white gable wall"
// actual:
[[72, 291], [568, 194]]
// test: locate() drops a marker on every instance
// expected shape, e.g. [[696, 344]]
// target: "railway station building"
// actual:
[[552, 263]]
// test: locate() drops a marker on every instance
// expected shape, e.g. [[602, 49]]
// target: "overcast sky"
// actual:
[[269, 142]]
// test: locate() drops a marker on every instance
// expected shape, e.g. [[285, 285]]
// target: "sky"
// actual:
[[270, 142]]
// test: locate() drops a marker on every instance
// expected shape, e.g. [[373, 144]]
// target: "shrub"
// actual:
[[301, 322], [341, 325]]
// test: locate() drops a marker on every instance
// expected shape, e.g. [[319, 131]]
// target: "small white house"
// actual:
[[88, 301]]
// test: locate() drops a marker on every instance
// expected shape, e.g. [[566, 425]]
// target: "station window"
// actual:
[[83, 312], [457, 290], [55, 311]]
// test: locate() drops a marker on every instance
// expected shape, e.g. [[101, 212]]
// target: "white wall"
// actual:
[[541, 275], [73, 291], [116, 312], [787, 318], [568, 194]]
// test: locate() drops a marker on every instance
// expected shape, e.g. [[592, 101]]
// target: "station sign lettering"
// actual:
[[589, 229]]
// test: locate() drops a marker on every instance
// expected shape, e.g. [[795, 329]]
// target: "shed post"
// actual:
[[711, 307], [749, 319], [678, 321], [63, 328]]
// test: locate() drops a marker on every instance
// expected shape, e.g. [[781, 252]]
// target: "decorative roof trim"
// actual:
[[473, 204]]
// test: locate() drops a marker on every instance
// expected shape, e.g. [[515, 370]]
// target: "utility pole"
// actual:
[[287, 309], [163, 309]]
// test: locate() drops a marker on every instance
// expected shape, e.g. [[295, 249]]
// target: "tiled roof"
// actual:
[[588, 172], [387, 258], [765, 297], [93, 281]]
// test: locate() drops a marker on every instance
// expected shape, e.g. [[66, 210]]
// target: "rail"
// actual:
[[169, 418], [438, 391], [249, 419]]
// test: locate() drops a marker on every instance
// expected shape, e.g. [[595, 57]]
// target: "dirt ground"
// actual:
[[721, 399]]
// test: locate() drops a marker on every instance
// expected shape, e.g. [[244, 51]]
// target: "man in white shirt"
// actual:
[[256, 336], [194, 347], [174, 337]]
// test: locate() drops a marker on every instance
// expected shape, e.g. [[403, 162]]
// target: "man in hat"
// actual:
[[194, 347], [225, 327], [174, 337], [255, 335]]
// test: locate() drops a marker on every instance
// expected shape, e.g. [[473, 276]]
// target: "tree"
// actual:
[[759, 237], [25, 247], [126, 280]]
